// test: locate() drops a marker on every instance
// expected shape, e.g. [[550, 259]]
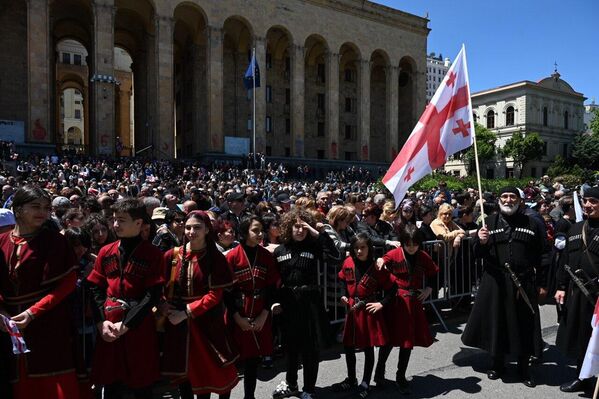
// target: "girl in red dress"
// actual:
[[364, 324], [406, 320], [197, 352], [37, 273], [250, 300]]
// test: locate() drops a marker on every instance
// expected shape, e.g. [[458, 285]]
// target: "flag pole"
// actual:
[[480, 190], [254, 62], [596, 389]]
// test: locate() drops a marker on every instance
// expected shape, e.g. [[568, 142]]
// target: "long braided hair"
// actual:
[[185, 275]]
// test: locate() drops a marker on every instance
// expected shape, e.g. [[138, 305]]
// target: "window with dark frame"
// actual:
[[320, 101], [545, 116], [509, 116], [320, 129], [320, 73], [269, 94], [566, 120], [491, 119]]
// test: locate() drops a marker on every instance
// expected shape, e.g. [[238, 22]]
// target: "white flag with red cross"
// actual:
[[445, 127], [590, 365]]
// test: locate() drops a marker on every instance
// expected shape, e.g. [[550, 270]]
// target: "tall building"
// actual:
[[589, 115], [549, 107], [340, 79], [436, 69]]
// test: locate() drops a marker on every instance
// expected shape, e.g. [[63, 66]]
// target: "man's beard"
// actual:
[[508, 210]]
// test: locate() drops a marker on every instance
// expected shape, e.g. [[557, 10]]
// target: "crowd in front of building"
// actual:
[[123, 275]]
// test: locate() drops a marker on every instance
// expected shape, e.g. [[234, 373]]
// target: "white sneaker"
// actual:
[[284, 390]]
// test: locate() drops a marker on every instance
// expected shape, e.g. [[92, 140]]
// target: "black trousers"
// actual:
[[310, 360], [350, 361]]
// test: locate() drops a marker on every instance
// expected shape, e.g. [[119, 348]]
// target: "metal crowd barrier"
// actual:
[[458, 277]]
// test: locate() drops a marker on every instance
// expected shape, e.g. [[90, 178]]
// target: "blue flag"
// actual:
[[253, 72]]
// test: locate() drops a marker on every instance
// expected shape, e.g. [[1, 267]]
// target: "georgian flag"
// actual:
[[445, 127], [18, 343], [590, 366]]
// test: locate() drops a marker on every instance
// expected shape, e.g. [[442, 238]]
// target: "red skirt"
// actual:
[[132, 359], [253, 344], [407, 323], [204, 373], [365, 330], [60, 386]]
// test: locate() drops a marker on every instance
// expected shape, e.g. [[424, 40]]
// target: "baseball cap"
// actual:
[[7, 218]]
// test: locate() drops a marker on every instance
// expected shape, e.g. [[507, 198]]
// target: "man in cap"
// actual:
[[577, 287], [236, 212], [505, 317]]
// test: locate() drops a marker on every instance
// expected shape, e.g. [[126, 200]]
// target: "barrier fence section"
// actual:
[[458, 277]]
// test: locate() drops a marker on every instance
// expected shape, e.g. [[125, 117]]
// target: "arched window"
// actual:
[[490, 119], [545, 116], [509, 116], [565, 119]]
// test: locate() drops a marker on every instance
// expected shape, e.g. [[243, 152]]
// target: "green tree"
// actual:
[[585, 150], [485, 144], [594, 126], [523, 148]]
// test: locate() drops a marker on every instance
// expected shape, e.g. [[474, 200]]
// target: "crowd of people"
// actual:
[[119, 275]]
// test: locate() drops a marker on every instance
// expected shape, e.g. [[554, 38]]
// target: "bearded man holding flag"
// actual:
[[578, 289]]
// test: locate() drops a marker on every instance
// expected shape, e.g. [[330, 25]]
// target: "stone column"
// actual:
[[38, 54], [164, 138], [297, 99], [332, 99], [392, 91], [214, 77], [103, 141], [260, 94], [364, 110]]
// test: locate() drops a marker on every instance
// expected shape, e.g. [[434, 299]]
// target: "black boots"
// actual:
[[576, 385], [497, 369], [524, 372]]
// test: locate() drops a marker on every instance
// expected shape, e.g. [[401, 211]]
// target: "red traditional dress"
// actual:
[[199, 348], [133, 359], [408, 326], [38, 273], [249, 296], [363, 329]]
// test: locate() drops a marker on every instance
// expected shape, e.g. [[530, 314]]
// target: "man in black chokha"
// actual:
[[577, 287], [505, 317]]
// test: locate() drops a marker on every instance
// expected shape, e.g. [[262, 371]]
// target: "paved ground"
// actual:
[[445, 369]]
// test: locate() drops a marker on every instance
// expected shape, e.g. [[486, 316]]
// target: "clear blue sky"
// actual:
[[513, 40]]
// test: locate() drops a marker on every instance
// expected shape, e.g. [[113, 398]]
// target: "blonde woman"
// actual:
[[389, 214], [446, 229]]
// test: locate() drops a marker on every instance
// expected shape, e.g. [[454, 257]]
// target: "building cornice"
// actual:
[[378, 13], [525, 84]]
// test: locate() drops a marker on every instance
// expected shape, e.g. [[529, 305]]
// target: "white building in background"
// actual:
[[589, 115], [436, 68], [549, 107]]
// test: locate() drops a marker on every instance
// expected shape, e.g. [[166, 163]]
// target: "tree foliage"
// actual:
[[523, 148], [485, 144], [594, 126], [586, 150]]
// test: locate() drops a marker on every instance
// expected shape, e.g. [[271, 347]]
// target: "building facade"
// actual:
[[341, 79], [436, 69], [549, 107], [589, 115]]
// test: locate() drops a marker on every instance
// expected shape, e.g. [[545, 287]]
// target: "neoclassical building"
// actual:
[[549, 107], [340, 79]]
